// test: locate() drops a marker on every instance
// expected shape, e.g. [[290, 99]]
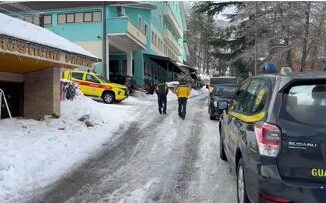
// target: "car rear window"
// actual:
[[305, 103]]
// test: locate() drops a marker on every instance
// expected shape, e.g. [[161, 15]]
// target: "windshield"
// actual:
[[225, 91], [302, 104]]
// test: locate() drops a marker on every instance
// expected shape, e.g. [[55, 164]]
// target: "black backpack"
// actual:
[[161, 88]]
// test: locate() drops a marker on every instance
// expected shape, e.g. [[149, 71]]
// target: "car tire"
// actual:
[[212, 117], [222, 151], [241, 184], [108, 98]]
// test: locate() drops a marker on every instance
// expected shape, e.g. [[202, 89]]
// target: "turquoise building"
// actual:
[[144, 40]]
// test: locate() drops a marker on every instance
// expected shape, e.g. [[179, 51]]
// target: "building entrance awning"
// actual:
[[185, 66], [166, 63]]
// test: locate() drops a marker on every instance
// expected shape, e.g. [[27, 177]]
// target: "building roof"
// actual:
[[44, 5], [19, 29]]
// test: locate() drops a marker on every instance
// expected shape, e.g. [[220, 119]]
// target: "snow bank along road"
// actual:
[[157, 159]]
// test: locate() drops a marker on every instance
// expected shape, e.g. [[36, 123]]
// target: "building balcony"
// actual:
[[171, 42], [122, 32], [171, 19]]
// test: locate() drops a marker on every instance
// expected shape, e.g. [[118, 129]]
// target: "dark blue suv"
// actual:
[[274, 136]]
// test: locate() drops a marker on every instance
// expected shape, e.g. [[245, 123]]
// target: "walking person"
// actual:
[[182, 91], [162, 91]]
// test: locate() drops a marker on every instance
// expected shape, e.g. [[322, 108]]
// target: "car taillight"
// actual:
[[272, 199], [268, 138]]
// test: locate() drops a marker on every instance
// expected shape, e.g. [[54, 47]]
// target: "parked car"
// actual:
[[220, 93], [213, 81], [274, 136], [95, 85]]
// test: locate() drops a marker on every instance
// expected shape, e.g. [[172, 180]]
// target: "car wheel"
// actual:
[[212, 117], [241, 185], [108, 97], [222, 152]]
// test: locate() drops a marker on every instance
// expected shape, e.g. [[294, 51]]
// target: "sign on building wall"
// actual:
[[31, 50]]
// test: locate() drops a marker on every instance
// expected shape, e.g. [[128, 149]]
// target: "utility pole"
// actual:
[[256, 36]]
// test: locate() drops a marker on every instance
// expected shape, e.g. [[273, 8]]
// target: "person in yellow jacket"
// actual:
[[182, 91]]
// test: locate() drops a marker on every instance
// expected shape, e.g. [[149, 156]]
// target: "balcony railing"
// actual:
[[170, 40], [123, 26], [171, 19]]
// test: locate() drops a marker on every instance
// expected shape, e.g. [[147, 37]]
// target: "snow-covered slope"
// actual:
[[35, 153]]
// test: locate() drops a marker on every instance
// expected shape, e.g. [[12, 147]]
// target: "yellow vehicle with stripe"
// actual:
[[94, 85]]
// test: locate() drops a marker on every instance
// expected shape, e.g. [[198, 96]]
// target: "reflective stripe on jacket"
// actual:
[[182, 91]]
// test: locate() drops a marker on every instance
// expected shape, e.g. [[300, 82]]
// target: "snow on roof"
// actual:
[[27, 31]]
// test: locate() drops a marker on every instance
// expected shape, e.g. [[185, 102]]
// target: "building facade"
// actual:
[[144, 40], [30, 70]]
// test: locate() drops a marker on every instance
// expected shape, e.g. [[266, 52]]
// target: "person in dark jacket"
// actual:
[[162, 91]]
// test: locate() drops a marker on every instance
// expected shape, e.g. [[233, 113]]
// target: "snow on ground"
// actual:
[[34, 153]]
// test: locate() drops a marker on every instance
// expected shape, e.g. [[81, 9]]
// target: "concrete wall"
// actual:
[[11, 77], [42, 93]]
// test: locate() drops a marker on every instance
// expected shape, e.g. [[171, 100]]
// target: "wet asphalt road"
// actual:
[[156, 159]]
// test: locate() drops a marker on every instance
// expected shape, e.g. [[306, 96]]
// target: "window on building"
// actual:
[[88, 17], [47, 20], [70, 18], [36, 20], [121, 11], [61, 18], [97, 16], [146, 29], [79, 17], [28, 19], [139, 23], [155, 40]]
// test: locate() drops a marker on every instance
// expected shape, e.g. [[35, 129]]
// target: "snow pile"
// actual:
[[173, 84], [33, 33], [33, 154]]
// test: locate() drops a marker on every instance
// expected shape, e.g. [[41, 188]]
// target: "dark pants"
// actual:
[[182, 107], [161, 103]]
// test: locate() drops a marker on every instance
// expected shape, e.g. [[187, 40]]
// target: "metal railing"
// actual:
[[3, 97]]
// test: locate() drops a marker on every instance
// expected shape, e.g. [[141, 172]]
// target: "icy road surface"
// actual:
[[156, 159]]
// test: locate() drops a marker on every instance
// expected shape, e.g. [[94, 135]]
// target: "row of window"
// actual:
[[80, 17], [67, 18], [160, 45]]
